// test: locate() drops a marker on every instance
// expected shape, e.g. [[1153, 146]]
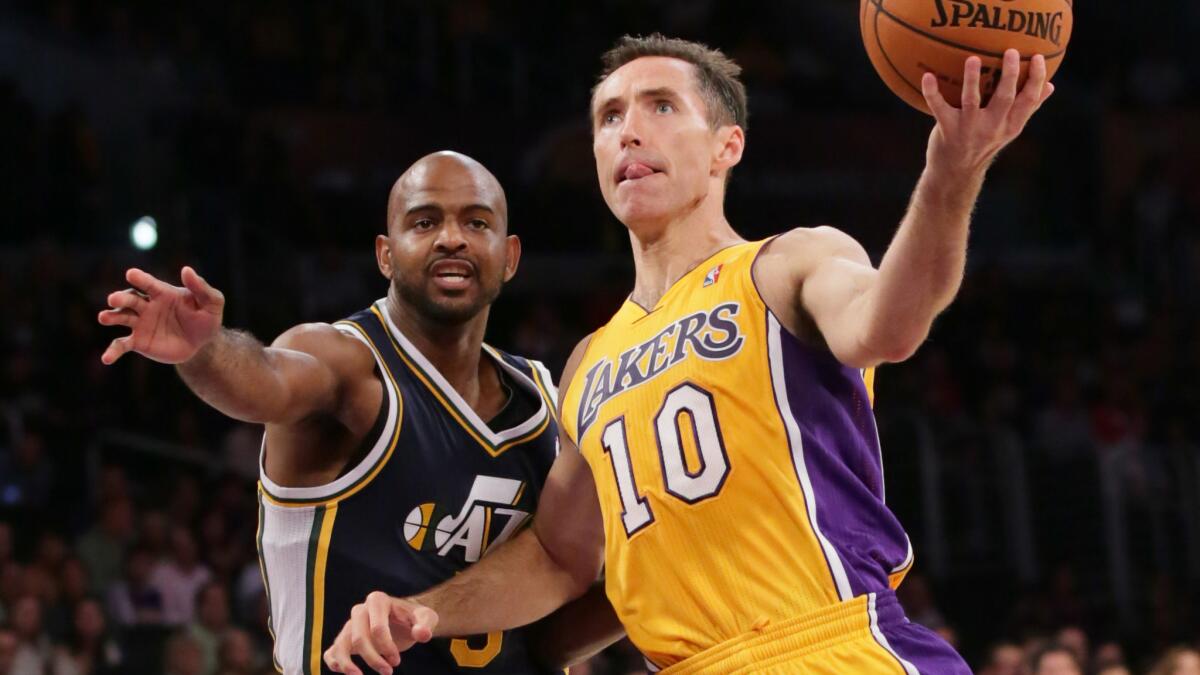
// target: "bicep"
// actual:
[[817, 280], [833, 295], [311, 363], [568, 523]]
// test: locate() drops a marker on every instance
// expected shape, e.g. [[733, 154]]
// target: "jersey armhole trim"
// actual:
[[370, 466]]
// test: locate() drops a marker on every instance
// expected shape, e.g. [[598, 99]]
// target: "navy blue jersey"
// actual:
[[436, 489]]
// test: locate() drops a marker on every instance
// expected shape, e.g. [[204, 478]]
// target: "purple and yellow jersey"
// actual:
[[738, 469]]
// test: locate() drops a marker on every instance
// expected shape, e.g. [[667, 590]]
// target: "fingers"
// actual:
[[378, 611], [1006, 91], [145, 282], [933, 97], [970, 87], [338, 658], [116, 349], [424, 621], [118, 317], [204, 293], [360, 640], [127, 299], [1035, 91]]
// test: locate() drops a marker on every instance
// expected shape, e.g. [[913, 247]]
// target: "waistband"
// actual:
[[799, 635]]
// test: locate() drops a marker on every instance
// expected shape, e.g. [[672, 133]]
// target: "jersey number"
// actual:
[[687, 402], [467, 656]]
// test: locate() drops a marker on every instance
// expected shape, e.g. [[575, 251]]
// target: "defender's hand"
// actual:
[[378, 630], [967, 138], [170, 324]]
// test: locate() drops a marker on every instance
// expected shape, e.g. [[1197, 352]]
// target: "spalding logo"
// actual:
[[955, 13]]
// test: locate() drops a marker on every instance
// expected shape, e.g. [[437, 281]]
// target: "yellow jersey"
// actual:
[[738, 468]]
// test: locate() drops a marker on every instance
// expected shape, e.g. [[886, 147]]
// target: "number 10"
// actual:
[[688, 486]]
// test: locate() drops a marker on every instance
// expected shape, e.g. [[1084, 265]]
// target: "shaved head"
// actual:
[[447, 250], [444, 175]]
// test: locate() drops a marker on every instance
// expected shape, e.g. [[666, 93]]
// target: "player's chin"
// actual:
[[639, 208], [456, 305]]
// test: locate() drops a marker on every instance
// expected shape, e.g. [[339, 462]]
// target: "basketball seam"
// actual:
[[879, 43], [950, 43]]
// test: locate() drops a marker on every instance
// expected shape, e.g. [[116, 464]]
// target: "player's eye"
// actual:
[[477, 224], [664, 107], [422, 224], [609, 118]]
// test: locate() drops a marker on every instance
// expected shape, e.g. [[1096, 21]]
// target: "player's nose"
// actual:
[[451, 236], [631, 131]]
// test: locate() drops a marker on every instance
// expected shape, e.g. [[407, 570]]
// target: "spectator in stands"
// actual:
[[180, 577], [1005, 658], [182, 656], [1178, 661], [102, 548], [33, 644], [1054, 659], [1075, 639], [1108, 654], [212, 621], [237, 653], [90, 650], [8, 649], [134, 600]]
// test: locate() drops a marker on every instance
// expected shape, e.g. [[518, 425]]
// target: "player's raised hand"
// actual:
[[968, 137], [169, 323], [379, 629]]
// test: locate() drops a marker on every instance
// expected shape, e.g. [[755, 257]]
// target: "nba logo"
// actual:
[[712, 276]]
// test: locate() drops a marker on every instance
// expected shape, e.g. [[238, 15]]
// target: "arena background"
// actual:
[[1041, 448]]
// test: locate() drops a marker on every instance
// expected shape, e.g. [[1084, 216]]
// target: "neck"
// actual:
[[454, 349], [664, 252]]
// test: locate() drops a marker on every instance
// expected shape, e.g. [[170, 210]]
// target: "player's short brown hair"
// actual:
[[716, 74]]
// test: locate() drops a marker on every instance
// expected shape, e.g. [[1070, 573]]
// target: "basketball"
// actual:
[[907, 38]]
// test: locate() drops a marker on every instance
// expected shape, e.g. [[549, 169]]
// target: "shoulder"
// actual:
[[785, 261], [810, 245], [573, 362], [327, 344]]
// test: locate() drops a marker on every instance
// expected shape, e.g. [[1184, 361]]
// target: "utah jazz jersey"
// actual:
[[738, 469], [436, 489]]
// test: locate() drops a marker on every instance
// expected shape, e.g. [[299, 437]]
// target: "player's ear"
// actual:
[[730, 142], [512, 255], [383, 255]]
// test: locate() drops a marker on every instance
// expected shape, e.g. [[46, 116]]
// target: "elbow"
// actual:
[[892, 346]]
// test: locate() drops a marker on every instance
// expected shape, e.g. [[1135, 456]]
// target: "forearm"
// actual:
[[923, 268], [516, 585], [576, 632], [235, 374]]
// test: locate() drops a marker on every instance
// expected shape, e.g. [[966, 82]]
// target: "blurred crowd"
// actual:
[[1062, 384]]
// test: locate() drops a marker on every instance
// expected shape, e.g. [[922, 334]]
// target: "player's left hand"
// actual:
[[968, 137], [379, 629]]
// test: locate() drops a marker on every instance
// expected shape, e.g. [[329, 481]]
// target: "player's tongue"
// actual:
[[635, 171]]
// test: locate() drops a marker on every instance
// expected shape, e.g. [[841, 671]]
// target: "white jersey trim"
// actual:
[[328, 490]]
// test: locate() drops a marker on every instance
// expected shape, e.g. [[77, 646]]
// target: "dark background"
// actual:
[[1040, 448]]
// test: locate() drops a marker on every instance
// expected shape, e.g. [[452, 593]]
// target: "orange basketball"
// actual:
[[907, 38]]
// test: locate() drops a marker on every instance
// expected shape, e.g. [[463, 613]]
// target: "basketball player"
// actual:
[[399, 448], [720, 456]]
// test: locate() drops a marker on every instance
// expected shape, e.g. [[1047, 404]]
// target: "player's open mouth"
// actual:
[[451, 274]]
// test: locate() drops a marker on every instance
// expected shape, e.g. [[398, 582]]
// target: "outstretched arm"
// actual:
[[551, 563], [230, 370], [868, 316]]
